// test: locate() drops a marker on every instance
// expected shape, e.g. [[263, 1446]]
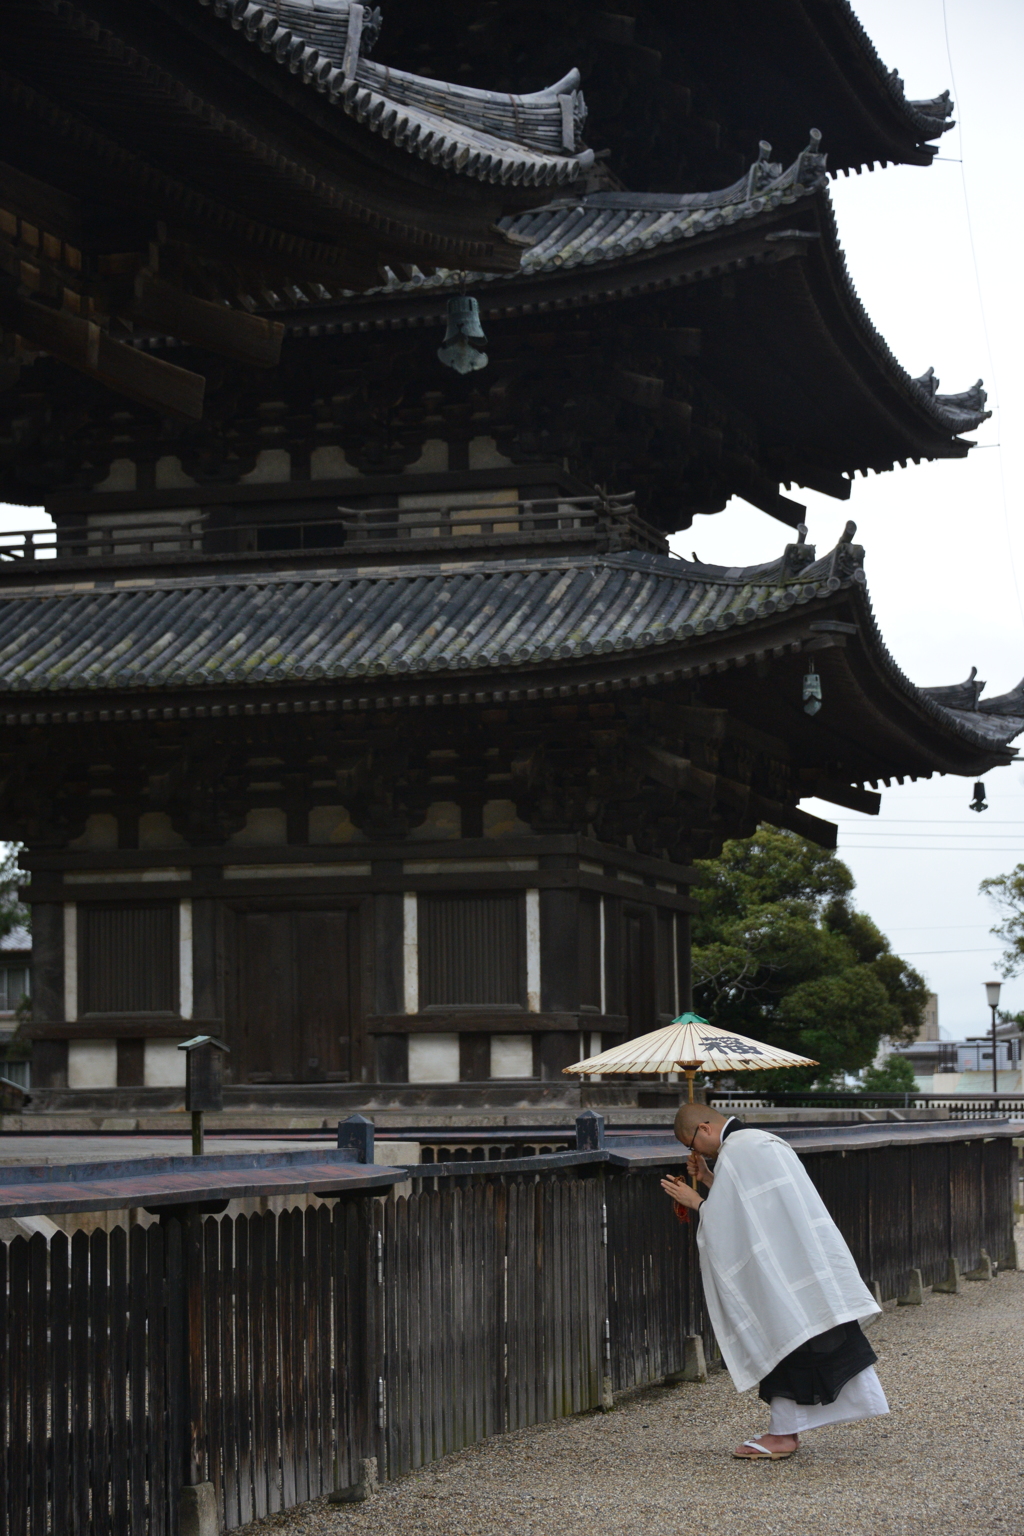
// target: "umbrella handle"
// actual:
[[690, 1073]]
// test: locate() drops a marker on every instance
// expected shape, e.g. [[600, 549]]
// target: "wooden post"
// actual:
[[186, 1430]]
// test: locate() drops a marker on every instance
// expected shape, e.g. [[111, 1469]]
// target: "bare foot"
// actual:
[[777, 1445]]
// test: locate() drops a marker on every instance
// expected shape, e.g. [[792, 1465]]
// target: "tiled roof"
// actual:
[[930, 118], [417, 622], [617, 230], [527, 140], [989, 717]]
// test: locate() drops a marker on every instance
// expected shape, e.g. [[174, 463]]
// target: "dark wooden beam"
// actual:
[[230, 332], [849, 795], [84, 345]]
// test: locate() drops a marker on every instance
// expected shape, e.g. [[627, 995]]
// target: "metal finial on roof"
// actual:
[[797, 557], [810, 163]]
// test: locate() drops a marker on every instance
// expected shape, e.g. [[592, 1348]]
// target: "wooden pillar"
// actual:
[[684, 961], [389, 1061], [207, 960], [560, 975], [49, 1057]]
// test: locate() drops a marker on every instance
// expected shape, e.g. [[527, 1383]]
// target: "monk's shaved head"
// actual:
[[689, 1116]]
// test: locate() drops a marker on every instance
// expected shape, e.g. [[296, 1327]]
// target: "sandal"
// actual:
[[755, 1445]]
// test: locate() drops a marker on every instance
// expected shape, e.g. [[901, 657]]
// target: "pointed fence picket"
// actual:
[[271, 1354]]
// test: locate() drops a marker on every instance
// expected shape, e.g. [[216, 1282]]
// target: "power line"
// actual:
[[917, 848], [981, 305], [918, 953], [933, 927]]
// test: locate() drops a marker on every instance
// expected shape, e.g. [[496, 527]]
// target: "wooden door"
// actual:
[[638, 973], [296, 1015]]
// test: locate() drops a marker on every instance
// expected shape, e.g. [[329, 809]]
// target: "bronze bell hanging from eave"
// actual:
[[811, 690], [464, 329]]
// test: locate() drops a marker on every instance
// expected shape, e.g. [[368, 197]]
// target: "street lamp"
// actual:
[[992, 989]]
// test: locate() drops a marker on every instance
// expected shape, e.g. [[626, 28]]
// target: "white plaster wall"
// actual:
[[92, 1063], [444, 822], [511, 1055], [70, 961], [333, 824], [265, 827], [155, 831], [168, 476], [462, 506], [533, 951], [433, 1058], [483, 454], [163, 1064], [273, 466], [120, 477], [100, 832], [411, 952], [185, 959], [500, 820], [329, 463], [434, 456]]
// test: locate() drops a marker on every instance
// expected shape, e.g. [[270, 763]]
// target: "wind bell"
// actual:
[[464, 329], [812, 690]]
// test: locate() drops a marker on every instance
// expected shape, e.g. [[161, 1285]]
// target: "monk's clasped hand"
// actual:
[[679, 1191]]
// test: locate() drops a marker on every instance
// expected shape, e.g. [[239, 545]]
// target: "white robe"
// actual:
[[775, 1267]]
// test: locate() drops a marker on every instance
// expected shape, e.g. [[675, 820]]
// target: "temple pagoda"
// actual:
[[367, 720]]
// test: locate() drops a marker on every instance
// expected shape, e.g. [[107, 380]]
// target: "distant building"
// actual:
[[930, 1024], [15, 987], [960, 1066]]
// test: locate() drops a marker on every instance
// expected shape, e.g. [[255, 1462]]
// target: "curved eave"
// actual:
[[754, 67], [798, 316], [445, 124], [487, 632], [908, 124], [912, 727], [154, 123]]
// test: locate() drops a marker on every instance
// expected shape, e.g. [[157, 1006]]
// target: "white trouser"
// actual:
[[861, 1398]]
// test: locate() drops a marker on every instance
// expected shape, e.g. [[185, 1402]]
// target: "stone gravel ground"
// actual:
[[948, 1459]]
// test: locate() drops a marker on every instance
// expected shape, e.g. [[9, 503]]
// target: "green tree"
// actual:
[[895, 1075], [1007, 891], [780, 953], [13, 913]]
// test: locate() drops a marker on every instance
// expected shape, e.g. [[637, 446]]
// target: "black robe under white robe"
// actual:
[[782, 1289]]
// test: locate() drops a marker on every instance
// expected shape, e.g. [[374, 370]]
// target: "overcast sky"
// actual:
[[944, 542]]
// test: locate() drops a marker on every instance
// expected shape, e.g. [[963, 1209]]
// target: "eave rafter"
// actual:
[[755, 275], [168, 152]]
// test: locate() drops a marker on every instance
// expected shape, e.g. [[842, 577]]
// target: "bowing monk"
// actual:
[[782, 1290]]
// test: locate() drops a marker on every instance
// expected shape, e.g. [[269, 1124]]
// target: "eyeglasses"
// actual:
[[689, 1144]]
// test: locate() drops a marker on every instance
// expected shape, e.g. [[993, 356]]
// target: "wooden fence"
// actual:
[[269, 1354]]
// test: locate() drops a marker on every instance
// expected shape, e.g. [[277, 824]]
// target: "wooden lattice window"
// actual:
[[472, 950], [127, 957]]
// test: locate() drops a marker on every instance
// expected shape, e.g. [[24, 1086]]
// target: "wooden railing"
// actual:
[[960, 1106], [189, 537], [271, 1355]]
